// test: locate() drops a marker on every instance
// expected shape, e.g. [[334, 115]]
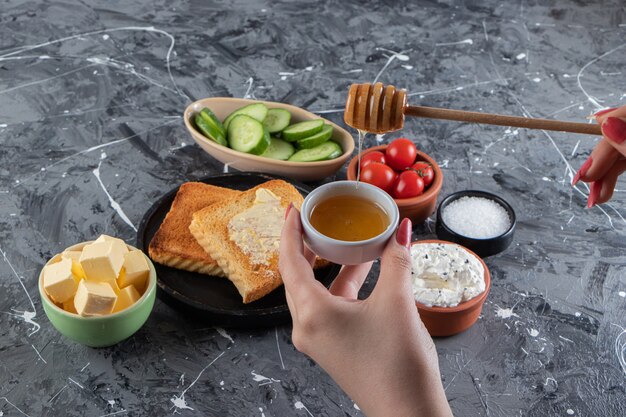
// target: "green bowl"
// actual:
[[100, 331]]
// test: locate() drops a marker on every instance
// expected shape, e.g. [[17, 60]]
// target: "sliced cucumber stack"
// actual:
[[248, 130], [257, 111], [279, 149], [246, 134], [302, 130], [325, 151], [210, 126], [277, 120], [317, 139], [336, 154]]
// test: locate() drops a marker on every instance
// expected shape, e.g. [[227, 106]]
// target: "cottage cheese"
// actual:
[[445, 275]]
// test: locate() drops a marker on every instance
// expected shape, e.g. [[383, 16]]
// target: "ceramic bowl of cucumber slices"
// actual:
[[264, 136]]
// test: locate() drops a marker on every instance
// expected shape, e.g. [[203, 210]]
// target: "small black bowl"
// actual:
[[482, 247]]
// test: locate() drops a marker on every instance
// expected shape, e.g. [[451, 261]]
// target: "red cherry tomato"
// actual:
[[374, 156], [379, 175], [400, 154], [425, 170], [408, 184]]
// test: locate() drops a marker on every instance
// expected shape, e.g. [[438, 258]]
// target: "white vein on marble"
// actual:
[[114, 204], [179, 401], [14, 406], [27, 316], [592, 99], [105, 31], [280, 355]]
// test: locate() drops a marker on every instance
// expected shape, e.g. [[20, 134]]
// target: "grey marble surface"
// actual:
[[91, 97]]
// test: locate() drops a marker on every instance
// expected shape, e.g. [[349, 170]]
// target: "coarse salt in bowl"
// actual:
[[476, 217], [478, 220]]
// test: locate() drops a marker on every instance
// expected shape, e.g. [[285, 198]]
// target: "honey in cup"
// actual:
[[349, 218]]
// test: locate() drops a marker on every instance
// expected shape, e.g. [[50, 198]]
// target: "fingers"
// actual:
[[614, 129], [594, 192], [613, 124], [598, 163], [349, 280], [309, 255], [395, 268], [609, 149], [601, 190], [611, 112], [294, 267]]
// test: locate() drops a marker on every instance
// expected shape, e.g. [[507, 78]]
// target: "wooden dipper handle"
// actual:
[[501, 120]]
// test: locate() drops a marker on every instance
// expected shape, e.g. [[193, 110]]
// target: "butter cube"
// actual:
[[59, 282], [135, 271], [114, 286], [69, 306], [126, 298], [102, 261], [118, 242], [94, 299], [74, 255]]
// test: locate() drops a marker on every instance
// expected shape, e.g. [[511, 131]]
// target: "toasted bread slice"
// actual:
[[173, 245], [253, 271]]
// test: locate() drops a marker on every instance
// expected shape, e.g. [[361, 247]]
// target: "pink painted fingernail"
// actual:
[[614, 129], [403, 235], [594, 193], [288, 210], [582, 171], [605, 111]]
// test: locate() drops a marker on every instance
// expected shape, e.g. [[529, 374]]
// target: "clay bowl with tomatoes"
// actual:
[[410, 176]]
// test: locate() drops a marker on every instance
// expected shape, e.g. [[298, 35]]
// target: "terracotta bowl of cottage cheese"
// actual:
[[450, 285]]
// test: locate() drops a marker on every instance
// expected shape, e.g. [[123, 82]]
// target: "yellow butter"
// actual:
[[74, 255], [59, 282], [116, 241], [69, 306], [94, 298], [126, 298], [114, 286], [102, 261], [257, 230], [135, 271]]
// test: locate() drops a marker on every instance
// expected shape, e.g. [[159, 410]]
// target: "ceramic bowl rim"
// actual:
[[465, 305], [306, 223], [190, 110], [127, 311], [484, 194], [432, 191]]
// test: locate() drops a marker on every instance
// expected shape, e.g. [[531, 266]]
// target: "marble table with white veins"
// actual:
[[91, 98]]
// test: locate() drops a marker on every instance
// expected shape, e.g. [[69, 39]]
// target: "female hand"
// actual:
[[608, 159], [377, 349]]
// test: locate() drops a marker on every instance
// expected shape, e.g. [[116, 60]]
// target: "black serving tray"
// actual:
[[215, 298]]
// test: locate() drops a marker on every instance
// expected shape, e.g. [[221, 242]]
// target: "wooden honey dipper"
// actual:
[[380, 109]]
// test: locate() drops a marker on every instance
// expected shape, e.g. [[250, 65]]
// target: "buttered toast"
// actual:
[[173, 244], [242, 234]]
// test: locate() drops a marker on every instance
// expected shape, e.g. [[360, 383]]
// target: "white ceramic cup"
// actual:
[[341, 251]]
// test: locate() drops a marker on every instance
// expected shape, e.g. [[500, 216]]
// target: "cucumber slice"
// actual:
[[319, 153], [279, 149], [246, 134], [212, 119], [257, 111], [317, 139], [210, 131], [302, 130], [336, 154], [277, 120]]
